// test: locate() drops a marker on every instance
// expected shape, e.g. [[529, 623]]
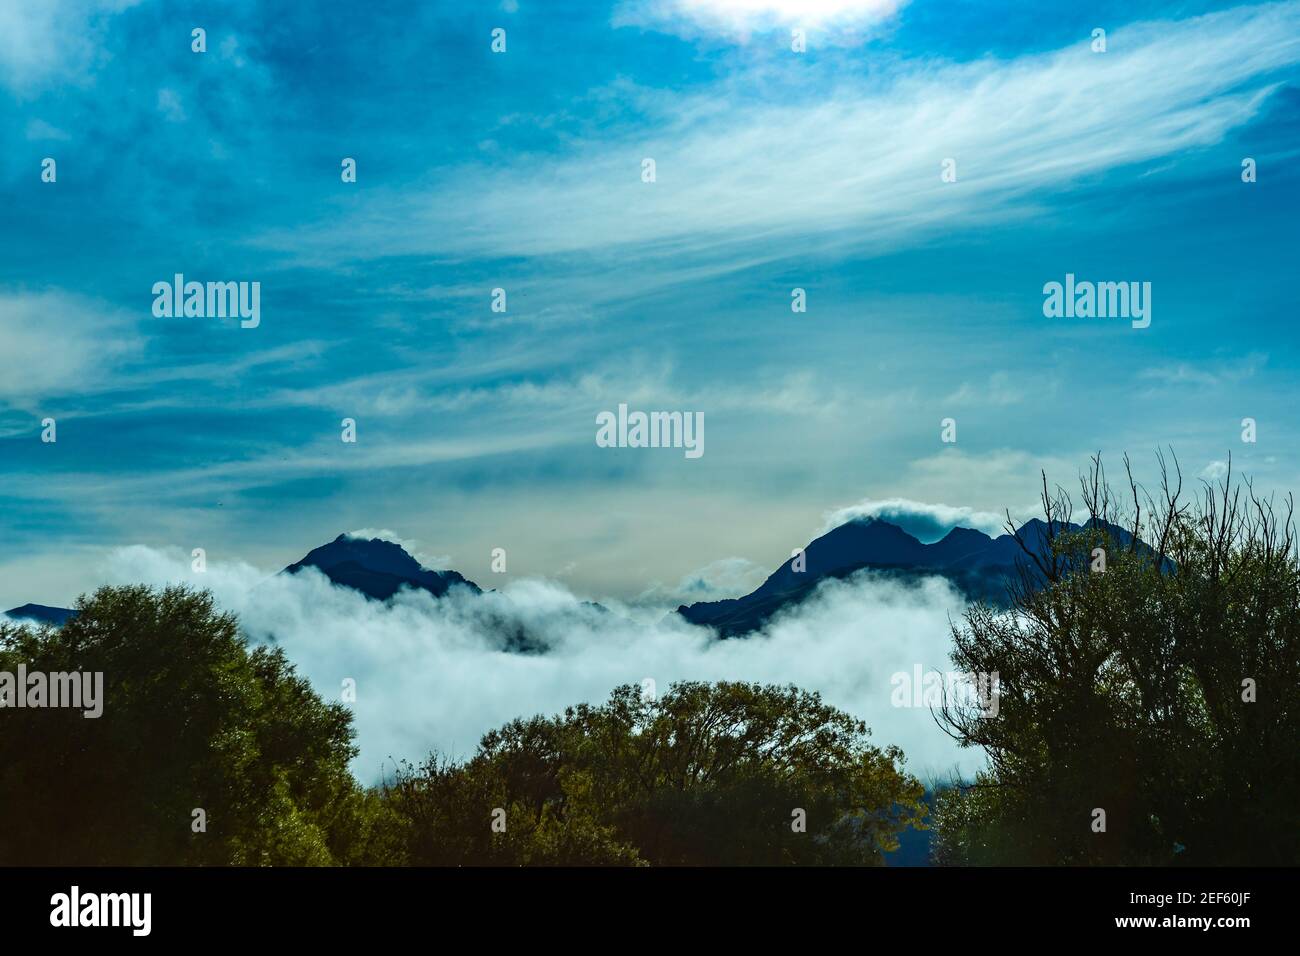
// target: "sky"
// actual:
[[522, 170]]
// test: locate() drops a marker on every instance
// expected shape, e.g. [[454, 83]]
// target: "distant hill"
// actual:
[[377, 568], [977, 564], [41, 613]]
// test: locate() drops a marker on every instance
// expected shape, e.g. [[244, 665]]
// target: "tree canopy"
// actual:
[[1149, 670], [198, 725], [717, 774], [193, 720]]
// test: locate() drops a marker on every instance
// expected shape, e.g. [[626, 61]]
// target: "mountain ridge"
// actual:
[[976, 563], [43, 613]]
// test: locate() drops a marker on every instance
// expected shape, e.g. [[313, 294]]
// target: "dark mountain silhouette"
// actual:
[[41, 613], [377, 568], [977, 564]]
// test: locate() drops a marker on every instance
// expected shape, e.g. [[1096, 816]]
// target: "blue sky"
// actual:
[[522, 170]]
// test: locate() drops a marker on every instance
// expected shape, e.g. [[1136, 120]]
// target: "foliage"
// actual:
[[195, 719], [192, 719], [1124, 690], [704, 774]]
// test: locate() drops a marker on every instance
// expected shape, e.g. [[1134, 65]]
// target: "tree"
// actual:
[[192, 721], [705, 774], [1161, 690]]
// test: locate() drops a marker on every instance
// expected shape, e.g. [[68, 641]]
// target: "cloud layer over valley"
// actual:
[[436, 674]]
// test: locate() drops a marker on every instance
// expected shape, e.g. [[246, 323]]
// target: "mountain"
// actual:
[[377, 568], [977, 564], [42, 614]]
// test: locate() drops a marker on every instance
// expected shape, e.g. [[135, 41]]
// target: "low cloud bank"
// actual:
[[436, 674]]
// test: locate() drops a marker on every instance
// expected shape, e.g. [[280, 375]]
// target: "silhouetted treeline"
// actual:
[[1149, 706]]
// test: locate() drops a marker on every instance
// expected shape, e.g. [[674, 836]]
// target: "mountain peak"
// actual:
[[377, 568], [974, 562], [41, 613]]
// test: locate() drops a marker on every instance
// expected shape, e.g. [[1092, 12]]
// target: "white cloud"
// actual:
[[420, 390], [1206, 374], [410, 545], [717, 580], [54, 343], [1214, 471], [1001, 477], [927, 522], [1000, 389], [170, 106], [52, 41], [760, 167], [736, 19], [435, 674], [38, 129]]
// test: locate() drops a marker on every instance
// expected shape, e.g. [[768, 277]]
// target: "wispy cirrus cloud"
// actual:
[[1205, 374], [53, 342], [774, 170], [750, 171], [999, 389]]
